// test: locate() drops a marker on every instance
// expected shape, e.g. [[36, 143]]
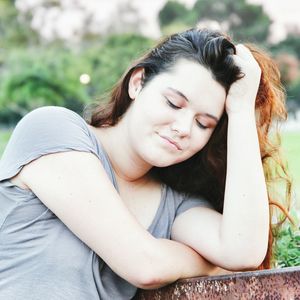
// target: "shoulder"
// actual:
[[45, 130], [51, 128], [51, 122], [50, 114]]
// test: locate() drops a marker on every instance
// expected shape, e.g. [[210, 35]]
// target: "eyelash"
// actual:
[[171, 104], [177, 107]]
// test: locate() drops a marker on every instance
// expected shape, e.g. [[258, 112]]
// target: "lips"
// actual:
[[172, 142]]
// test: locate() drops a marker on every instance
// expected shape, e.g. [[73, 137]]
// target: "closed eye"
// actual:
[[171, 104], [201, 126], [178, 107]]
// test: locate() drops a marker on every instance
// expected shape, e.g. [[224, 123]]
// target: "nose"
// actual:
[[183, 124]]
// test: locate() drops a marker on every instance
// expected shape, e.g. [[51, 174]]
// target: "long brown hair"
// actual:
[[204, 173]]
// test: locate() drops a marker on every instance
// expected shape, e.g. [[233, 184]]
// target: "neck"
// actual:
[[127, 164]]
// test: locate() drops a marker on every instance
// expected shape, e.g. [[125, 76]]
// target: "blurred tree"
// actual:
[[244, 21], [287, 55], [51, 76], [174, 11], [86, 20], [289, 67], [291, 45], [14, 28], [290, 76], [125, 19], [34, 74], [33, 78], [293, 95], [110, 60]]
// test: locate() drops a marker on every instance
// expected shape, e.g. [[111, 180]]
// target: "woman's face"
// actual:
[[174, 115]]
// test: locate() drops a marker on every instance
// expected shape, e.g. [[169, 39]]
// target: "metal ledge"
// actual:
[[267, 284]]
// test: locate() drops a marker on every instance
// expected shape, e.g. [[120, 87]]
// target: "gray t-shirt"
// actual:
[[40, 258]]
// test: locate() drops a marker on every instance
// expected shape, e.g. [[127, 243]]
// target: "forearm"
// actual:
[[245, 223], [177, 261]]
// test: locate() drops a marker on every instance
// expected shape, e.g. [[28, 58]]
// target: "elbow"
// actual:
[[245, 258], [149, 280], [157, 270], [154, 276], [256, 261], [243, 266], [245, 262], [149, 285]]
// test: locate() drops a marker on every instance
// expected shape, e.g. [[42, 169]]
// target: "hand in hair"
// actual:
[[242, 93]]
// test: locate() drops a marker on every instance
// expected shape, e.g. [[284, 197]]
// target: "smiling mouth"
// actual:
[[171, 142]]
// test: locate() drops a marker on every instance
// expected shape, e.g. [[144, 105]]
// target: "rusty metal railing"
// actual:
[[267, 284]]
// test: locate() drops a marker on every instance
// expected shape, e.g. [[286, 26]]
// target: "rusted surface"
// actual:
[[268, 284]]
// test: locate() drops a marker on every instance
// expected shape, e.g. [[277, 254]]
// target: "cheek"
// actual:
[[200, 140], [153, 112]]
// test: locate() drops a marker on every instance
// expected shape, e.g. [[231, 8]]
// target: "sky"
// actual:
[[50, 22]]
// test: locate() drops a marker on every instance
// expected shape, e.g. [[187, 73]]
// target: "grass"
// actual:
[[291, 150], [287, 247], [4, 137]]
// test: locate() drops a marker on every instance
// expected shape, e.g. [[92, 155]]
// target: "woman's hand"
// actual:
[[242, 93]]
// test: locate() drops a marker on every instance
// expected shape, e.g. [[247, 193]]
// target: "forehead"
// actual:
[[196, 83]]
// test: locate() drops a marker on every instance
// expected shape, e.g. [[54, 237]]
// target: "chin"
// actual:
[[161, 159], [165, 163], [159, 162], [162, 165]]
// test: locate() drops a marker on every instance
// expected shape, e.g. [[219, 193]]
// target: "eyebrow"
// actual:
[[187, 100]]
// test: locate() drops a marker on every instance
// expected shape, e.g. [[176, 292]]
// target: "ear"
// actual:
[[135, 83]]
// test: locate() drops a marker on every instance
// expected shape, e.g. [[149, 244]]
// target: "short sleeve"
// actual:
[[45, 130], [190, 202]]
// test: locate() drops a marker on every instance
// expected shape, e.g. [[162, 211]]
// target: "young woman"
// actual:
[[164, 182]]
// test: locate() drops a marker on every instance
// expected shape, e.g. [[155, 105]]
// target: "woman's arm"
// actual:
[[245, 222], [237, 239], [191, 264], [76, 188]]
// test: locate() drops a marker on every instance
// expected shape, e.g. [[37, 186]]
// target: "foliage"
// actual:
[[290, 76], [86, 20], [110, 60], [293, 92], [290, 148], [34, 78], [244, 21], [41, 76], [14, 28], [174, 11], [287, 248], [4, 137], [287, 55], [291, 44], [289, 67]]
